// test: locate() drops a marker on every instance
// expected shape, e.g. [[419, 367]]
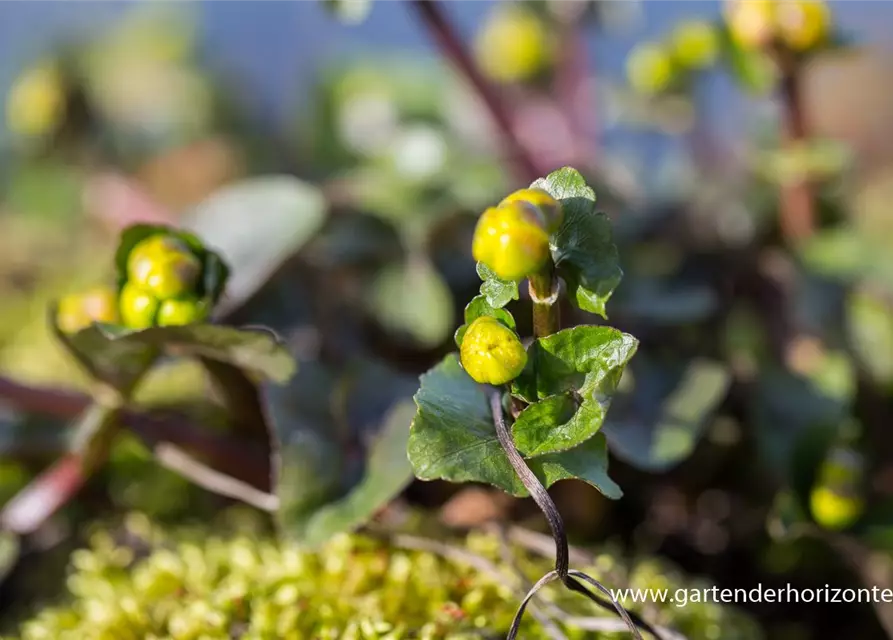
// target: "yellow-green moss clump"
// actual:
[[144, 584]]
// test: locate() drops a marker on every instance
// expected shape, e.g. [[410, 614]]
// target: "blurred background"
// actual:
[[748, 192]]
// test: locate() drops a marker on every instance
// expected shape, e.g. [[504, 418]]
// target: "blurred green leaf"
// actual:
[[477, 308], [870, 331], [497, 291], [453, 438], [341, 446], [583, 248], [9, 553], [659, 422], [387, 472], [119, 356], [46, 189], [349, 11], [412, 299], [836, 253], [256, 225], [577, 371], [754, 69]]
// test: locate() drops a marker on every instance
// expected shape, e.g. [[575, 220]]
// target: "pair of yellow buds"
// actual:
[[512, 239], [798, 24]]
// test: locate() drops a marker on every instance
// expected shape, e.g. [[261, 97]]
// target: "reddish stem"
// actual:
[[454, 49], [239, 459], [31, 507], [796, 206]]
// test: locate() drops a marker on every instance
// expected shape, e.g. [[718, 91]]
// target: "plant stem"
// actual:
[[570, 578], [237, 457], [546, 311], [452, 47], [797, 201]]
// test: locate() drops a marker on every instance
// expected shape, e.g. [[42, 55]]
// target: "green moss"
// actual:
[[144, 583]]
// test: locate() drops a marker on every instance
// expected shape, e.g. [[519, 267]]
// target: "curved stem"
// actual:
[[537, 491], [452, 47], [516, 622]]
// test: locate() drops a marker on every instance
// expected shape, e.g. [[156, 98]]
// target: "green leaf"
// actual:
[[215, 272], [577, 371], [453, 438], [497, 291], [583, 248], [754, 70], [349, 11], [341, 446], [387, 473], [870, 330], [119, 356], [255, 225], [477, 308], [659, 421], [412, 299]]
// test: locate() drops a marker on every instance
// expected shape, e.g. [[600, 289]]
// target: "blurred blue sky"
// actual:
[[272, 50]]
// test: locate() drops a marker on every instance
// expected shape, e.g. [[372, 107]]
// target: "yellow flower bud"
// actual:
[[36, 102], [803, 24], [138, 307], [833, 510], [181, 311], [511, 240], [164, 266], [546, 206], [650, 69], [79, 311], [491, 353], [751, 22], [512, 46], [695, 44]]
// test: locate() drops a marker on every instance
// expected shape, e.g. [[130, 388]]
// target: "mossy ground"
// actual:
[[139, 582]]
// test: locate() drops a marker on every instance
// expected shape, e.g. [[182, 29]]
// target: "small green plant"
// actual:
[[557, 391]]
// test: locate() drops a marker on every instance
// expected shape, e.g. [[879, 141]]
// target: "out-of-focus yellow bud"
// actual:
[[650, 69], [491, 353], [512, 45], [36, 102], [803, 24], [547, 207], [835, 501], [695, 44], [751, 22], [80, 310], [138, 307], [181, 311], [163, 266], [511, 240]]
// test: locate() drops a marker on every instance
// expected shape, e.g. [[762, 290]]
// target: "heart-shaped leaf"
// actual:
[[478, 307], [497, 291], [658, 423], [341, 447], [255, 225], [583, 248], [453, 438], [575, 372]]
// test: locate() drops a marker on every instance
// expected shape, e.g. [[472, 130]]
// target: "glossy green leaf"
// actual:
[[412, 299], [583, 248], [255, 225], [477, 308], [453, 438], [659, 421], [497, 291], [576, 374]]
